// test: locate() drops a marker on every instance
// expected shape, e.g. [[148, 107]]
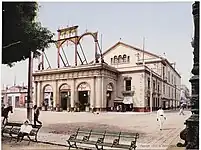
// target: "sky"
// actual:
[[167, 28]]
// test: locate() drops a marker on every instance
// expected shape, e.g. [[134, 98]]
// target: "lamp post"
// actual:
[[30, 89], [191, 133]]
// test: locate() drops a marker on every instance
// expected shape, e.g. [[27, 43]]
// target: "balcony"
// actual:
[[128, 91], [165, 79]]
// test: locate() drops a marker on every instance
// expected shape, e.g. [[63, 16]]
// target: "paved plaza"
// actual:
[[58, 125]]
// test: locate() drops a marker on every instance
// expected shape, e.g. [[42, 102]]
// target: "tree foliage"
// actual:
[[21, 32]]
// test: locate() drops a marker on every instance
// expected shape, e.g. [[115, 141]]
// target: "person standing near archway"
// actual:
[[36, 115]]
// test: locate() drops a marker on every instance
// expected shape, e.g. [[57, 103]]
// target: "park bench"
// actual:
[[12, 129], [114, 140]]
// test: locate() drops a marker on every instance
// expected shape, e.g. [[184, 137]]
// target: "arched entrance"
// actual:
[[65, 93], [48, 97], [109, 97], [84, 96]]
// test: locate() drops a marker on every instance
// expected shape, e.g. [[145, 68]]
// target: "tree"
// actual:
[[21, 32]]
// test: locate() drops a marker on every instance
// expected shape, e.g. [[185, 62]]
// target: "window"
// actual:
[[115, 59], [175, 81], [148, 83], [124, 58], [163, 88], [128, 58], [168, 76], [111, 60], [154, 85], [9, 100], [17, 103], [128, 85], [169, 91], [163, 72], [172, 93], [120, 59], [158, 88], [172, 79]]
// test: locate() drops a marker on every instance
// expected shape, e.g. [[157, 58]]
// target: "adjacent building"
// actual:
[[15, 96], [130, 79]]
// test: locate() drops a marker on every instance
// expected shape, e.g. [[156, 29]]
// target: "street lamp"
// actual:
[[191, 133], [30, 89]]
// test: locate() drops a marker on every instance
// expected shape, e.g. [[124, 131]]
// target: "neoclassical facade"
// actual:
[[82, 84], [130, 79]]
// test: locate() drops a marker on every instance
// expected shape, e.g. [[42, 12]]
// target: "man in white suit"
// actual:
[[160, 117]]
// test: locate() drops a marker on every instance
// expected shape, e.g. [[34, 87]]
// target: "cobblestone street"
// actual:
[[58, 125]]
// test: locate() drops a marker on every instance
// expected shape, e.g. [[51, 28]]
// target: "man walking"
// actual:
[[181, 109], [36, 115], [160, 117]]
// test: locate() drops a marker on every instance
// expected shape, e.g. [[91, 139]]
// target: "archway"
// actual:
[[84, 96], [109, 92], [47, 97], [65, 96]]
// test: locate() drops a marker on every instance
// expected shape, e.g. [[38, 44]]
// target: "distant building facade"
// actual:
[[15, 96], [185, 95], [130, 79]]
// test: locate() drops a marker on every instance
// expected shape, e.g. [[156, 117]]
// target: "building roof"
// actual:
[[135, 48], [129, 46]]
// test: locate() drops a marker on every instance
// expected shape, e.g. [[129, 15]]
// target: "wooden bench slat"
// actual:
[[81, 135], [13, 128]]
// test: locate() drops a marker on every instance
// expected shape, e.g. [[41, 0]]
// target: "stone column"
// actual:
[[35, 94], [98, 92], [72, 100], [39, 93], [93, 92], [56, 99], [103, 93]]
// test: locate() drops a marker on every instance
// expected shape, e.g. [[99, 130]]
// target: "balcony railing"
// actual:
[[165, 79], [128, 91]]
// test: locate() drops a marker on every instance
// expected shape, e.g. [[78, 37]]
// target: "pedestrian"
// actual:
[[25, 130], [36, 115], [92, 109], [181, 109], [160, 117]]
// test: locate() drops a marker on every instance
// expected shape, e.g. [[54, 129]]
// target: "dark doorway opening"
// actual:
[[64, 100], [83, 99], [109, 97]]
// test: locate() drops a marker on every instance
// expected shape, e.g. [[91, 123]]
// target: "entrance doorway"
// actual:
[[109, 94], [109, 97], [65, 100], [83, 96], [83, 99], [65, 92]]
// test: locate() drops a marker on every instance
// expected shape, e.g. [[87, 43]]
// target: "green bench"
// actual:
[[13, 129], [115, 139]]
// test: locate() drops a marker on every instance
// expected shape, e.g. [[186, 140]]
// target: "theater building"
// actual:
[[130, 79]]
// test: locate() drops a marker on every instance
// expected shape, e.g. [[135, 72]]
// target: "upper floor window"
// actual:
[[168, 76], [175, 81], [148, 83], [172, 78], [115, 59], [124, 58], [128, 85], [120, 59], [154, 85], [163, 88], [163, 71]]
